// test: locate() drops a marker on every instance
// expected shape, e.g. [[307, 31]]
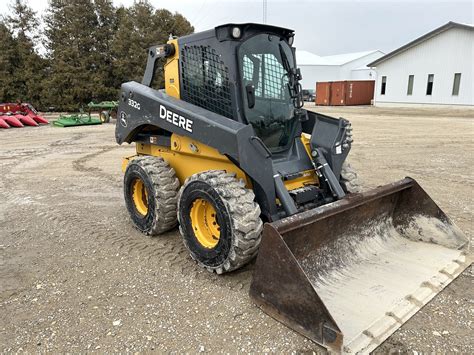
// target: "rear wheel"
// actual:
[[219, 221], [350, 181], [104, 117], [151, 191]]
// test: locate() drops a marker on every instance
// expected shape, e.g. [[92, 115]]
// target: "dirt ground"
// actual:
[[76, 276]]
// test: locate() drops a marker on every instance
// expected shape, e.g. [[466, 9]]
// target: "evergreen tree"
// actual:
[[28, 67], [131, 40], [107, 25], [91, 48], [7, 66], [78, 33], [140, 27]]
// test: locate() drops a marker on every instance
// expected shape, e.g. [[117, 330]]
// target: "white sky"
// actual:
[[322, 27]]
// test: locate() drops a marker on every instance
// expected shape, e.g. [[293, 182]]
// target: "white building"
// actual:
[[349, 66], [434, 69]]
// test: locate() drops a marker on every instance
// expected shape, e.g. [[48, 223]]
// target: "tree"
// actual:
[[7, 67], [90, 48], [26, 65], [23, 20], [78, 34], [106, 27], [140, 27]]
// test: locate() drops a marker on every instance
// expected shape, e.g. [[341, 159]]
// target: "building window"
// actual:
[[384, 85], [456, 83], [429, 85], [411, 78]]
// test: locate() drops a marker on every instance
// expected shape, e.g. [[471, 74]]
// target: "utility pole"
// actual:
[[264, 3]]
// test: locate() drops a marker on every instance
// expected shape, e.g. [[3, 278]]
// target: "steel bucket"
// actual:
[[348, 274]]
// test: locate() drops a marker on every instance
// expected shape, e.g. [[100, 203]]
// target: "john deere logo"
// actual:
[[123, 119]]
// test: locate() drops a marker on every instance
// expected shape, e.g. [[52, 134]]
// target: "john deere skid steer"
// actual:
[[227, 152]]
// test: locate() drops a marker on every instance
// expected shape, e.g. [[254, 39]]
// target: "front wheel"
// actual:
[[219, 221], [350, 181]]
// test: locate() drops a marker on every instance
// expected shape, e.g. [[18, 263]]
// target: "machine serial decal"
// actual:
[[175, 119], [134, 104]]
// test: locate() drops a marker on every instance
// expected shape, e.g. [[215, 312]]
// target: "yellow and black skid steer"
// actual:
[[227, 152]]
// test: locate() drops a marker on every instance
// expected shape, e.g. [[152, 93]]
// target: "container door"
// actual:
[[323, 93], [337, 93]]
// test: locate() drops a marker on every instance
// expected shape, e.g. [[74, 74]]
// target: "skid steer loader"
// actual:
[[227, 152]]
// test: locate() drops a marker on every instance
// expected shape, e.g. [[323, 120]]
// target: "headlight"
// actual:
[[236, 32]]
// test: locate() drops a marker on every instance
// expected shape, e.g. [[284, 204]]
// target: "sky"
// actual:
[[321, 27]]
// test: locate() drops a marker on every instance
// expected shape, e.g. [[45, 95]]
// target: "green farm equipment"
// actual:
[[106, 109], [78, 119]]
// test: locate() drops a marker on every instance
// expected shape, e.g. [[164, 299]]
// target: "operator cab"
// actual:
[[246, 72]]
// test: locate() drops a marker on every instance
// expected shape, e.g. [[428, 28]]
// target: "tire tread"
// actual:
[[245, 218], [166, 187]]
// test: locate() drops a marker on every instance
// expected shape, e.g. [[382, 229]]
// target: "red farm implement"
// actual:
[[19, 115]]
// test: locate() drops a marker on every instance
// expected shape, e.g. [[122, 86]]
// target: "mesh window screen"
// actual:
[[275, 78], [205, 80]]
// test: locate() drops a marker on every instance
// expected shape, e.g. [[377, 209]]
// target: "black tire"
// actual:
[[104, 117], [350, 181], [237, 216], [160, 194]]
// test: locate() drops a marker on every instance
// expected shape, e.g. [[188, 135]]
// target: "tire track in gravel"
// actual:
[[68, 141], [163, 248], [66, 217], [170, 249], [80, 164], [167, 249], [121, 235], [9, 155]]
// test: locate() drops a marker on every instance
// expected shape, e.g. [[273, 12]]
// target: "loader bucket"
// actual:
[[348, 274]]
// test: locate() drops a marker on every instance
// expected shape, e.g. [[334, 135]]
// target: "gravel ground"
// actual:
[[76, 276]]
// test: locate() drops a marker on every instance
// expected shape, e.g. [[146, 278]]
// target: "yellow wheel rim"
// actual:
[[140, 196], [102, 117], [204, 223]]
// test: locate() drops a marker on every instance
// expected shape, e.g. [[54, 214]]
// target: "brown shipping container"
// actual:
[[359, 92], [340, 93], [323, 93]]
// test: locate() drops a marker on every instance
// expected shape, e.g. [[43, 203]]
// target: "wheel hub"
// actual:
[[204, 223], [140, 196]]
